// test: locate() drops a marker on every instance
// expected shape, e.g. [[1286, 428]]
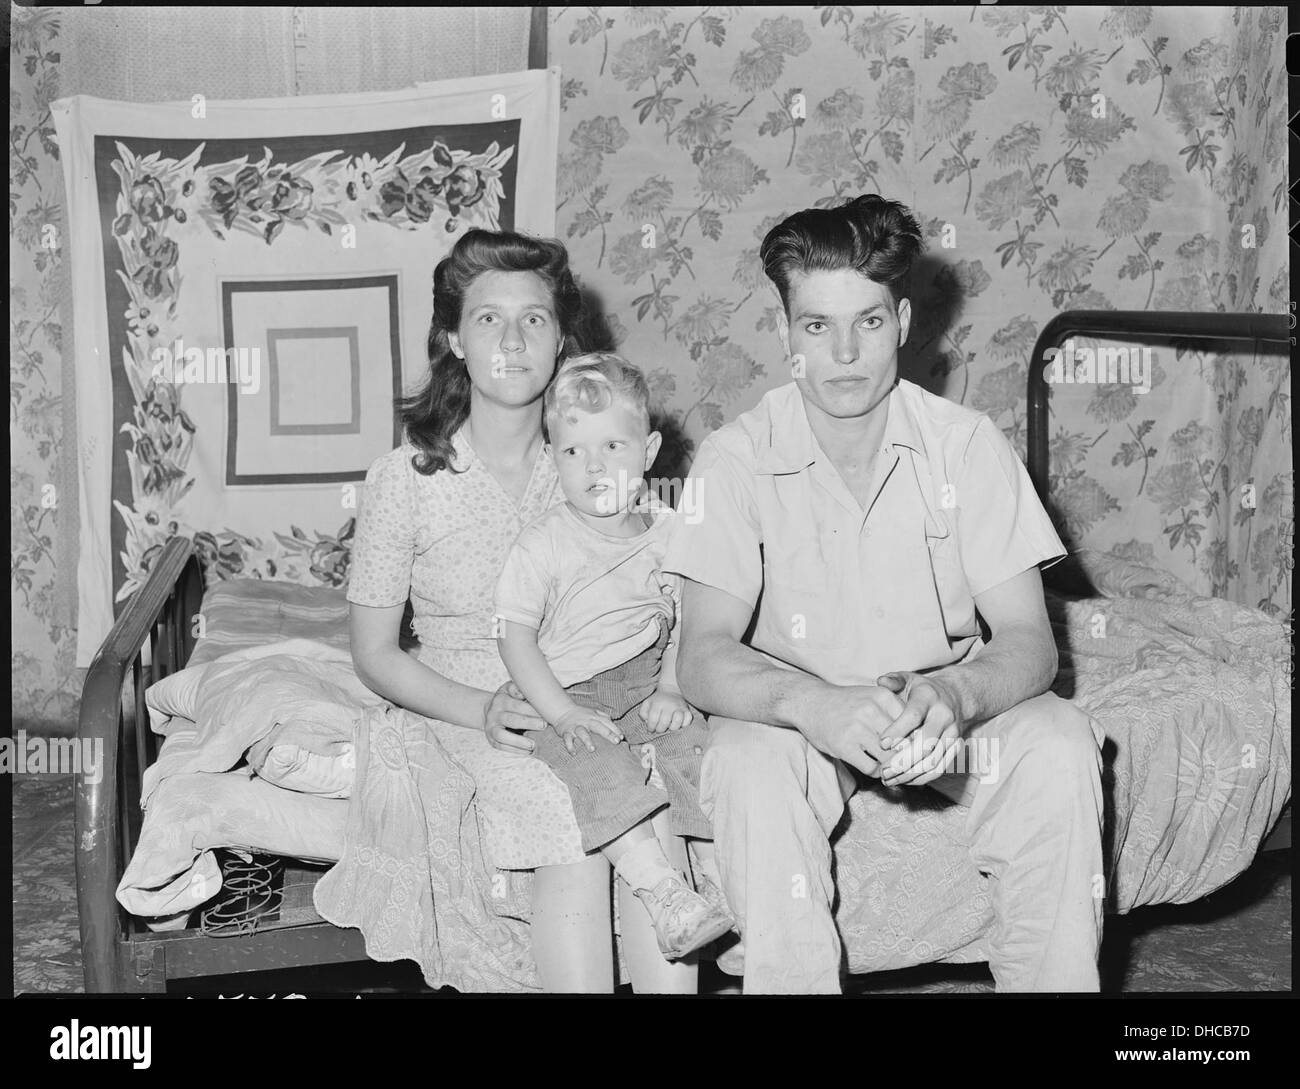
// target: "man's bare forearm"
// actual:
[[722, 676], [1016, 665], [400, 678]]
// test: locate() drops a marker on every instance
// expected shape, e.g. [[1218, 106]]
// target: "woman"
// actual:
[[437, 519]]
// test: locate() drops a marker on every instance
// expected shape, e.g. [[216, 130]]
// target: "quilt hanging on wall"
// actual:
[[252, 288]]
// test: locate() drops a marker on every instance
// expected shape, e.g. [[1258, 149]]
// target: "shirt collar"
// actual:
[[790, 445]]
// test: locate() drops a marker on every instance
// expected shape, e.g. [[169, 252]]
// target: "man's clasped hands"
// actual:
[[905, 730]]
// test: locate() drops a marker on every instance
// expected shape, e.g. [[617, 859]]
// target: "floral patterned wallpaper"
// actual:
[[1058, 157], [42, 574], [688, 132]]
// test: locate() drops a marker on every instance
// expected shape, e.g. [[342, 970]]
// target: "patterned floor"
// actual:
[[1237, 939]]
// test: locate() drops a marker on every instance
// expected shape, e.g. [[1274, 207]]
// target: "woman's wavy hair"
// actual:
[[437, 409]]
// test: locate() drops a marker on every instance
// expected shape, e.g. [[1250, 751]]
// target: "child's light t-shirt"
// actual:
[[596, 601]]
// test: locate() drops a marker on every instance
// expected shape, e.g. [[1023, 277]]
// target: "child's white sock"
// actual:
[[645, 865]]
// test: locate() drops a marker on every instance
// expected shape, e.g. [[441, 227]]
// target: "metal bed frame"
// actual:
[[1137, 324], [119, 953]]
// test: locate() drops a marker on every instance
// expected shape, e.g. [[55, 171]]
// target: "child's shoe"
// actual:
[[683, 919], [731, 960], [712, 892], [729, 953]]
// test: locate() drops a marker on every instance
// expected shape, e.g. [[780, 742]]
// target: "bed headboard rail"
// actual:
[[1128, 323], [107, 815]]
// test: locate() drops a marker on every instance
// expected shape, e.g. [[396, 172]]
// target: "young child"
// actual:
[[583, 615]]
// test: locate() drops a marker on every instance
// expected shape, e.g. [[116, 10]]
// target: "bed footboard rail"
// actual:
[[1128, 323], [157, 621]]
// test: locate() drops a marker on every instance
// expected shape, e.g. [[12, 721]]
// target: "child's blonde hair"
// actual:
[[592, 382]]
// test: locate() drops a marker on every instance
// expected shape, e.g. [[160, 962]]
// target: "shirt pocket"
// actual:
[[801, 604], [941, 543], [951, 589]]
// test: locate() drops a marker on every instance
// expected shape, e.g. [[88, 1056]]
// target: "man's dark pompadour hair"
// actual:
[[873, 236]]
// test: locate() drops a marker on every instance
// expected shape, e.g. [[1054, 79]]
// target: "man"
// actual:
[[870, 524]]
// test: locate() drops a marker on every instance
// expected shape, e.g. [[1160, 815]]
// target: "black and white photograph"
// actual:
[[887, 408]]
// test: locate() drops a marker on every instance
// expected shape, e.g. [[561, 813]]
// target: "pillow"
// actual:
[[170, 702]]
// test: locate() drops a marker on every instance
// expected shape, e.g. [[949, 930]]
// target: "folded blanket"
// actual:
[[238, 703], [174, 868], [175, 695], [307, 758]]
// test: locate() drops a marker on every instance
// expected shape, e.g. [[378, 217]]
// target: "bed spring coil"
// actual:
[[250, 891]]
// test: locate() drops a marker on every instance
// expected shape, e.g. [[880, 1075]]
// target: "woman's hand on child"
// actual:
[[665, 711], [506, 713], [581, 722]]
